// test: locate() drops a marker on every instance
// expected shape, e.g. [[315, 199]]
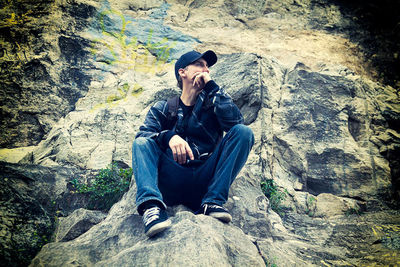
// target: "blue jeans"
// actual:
[[159, 178]]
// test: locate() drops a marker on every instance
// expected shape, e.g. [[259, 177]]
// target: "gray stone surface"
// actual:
[[41, 78], [193, 240], [30, 196], [77, 223]]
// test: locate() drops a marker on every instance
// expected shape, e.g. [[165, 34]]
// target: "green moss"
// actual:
[[125, 87], [275, 195], [137, 90], [112, 98], [106, 188], [310, 206]]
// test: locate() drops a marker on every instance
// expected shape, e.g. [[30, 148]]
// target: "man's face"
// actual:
[[195, 68]]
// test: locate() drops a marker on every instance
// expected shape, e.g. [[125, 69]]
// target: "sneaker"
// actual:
[[215, 211], [155, 220]]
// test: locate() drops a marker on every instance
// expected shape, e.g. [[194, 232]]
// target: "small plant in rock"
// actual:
[[353, 211], [270, 263], [106, 188], [274, 194], [310, 206]]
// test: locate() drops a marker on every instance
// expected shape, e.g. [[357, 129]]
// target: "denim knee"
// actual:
[[145, 147], [243, 132], [141, 141]]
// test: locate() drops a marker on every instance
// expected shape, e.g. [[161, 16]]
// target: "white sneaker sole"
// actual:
[[222, 216], [159, 227]]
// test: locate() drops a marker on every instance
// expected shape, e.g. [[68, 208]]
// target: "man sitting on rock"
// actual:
[[180, 155]]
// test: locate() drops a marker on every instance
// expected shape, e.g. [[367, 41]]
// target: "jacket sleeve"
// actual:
[[155, 125], [228, 114]]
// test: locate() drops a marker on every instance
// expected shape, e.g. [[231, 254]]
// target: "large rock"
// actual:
[[31, 197], [321, 130], [328, 205], [191, 241], [297, 240], [90, 136], [312, 130], [48, 47], [42, 78], [77, 223], [363, 239]]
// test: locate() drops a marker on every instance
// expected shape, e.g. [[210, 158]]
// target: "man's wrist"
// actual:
[[210, 85], [167, 137]]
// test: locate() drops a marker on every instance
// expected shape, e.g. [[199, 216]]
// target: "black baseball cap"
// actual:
[[190, 57]]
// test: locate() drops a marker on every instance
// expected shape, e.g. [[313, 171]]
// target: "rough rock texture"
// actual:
[[30, 195], [191, 241], [86, 72], [313, 132], [42, 67], [77, 223]]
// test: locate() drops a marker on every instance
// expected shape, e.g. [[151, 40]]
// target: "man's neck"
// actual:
[[189, 95]]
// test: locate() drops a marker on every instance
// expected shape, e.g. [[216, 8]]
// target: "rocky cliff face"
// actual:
[[78, 77]]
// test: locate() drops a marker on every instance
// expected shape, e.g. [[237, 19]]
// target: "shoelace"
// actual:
[[151, 215], [206, 206]]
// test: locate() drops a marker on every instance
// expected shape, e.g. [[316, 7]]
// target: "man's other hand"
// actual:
[[201, 78], [180, 149]]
